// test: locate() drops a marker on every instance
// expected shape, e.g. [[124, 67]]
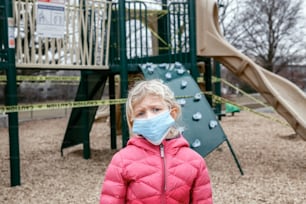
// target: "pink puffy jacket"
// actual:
[[144, 173]]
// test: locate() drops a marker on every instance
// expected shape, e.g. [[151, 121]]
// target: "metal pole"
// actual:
[[163, 31], [218, 108], [123, 70], [11, 95], [111, 84], [85, 115], [193, 42], [207, 79]]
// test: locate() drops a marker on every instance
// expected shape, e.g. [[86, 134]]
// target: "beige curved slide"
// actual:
[[287, 99]]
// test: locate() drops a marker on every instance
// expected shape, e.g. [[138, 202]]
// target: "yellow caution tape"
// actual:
[[59, 105], [55, 83], [42, 78], [240, 90], [63, 105], [219, 99], [92, 103]]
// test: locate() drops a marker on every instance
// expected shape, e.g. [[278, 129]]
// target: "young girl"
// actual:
[[157, 165]]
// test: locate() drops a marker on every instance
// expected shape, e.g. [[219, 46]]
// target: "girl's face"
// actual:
[[150, 106]]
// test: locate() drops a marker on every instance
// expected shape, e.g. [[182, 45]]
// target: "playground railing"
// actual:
[[63, 34], [154, 32]]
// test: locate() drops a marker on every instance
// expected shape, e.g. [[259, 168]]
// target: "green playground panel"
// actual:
[[199, 124], [81, 119]]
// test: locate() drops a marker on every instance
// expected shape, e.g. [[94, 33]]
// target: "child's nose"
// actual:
[[149, 114]]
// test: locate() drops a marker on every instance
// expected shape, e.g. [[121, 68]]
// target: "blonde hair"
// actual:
[[154, 87]]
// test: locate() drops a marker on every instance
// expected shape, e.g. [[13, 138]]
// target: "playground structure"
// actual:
[[286, 98], [101, 44]]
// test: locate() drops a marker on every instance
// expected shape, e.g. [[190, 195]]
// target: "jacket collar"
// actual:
[[171, 146]]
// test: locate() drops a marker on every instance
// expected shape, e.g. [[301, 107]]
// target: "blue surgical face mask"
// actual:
[[154, 129]]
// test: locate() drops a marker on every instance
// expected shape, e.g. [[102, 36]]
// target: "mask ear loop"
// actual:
[[173, 131]]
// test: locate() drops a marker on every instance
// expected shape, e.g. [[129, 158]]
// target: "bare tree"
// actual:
[[228, 19], [268, 31]]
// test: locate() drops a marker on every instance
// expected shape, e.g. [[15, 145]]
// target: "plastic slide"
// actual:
[[286, 98]]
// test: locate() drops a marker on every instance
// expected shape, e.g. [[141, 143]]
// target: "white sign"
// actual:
[[50, 19], [11, 37]]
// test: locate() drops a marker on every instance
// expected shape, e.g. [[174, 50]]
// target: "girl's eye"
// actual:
[[155, 110], [139, 114]]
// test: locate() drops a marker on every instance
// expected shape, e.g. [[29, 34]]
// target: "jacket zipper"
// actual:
[[164, 183]]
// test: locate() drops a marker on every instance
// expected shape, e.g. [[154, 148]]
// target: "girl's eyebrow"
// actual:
[[138, 109], [159, 106]]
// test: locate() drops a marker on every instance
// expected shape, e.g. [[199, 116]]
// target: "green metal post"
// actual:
[[112, 56], [163, 30], [193, 42], [123, 70], [111, 84], [218, 106], [85, 116], [207, 79], [11, 99], [84, 96]]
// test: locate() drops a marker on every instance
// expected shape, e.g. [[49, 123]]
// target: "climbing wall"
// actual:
[[198, 123]]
